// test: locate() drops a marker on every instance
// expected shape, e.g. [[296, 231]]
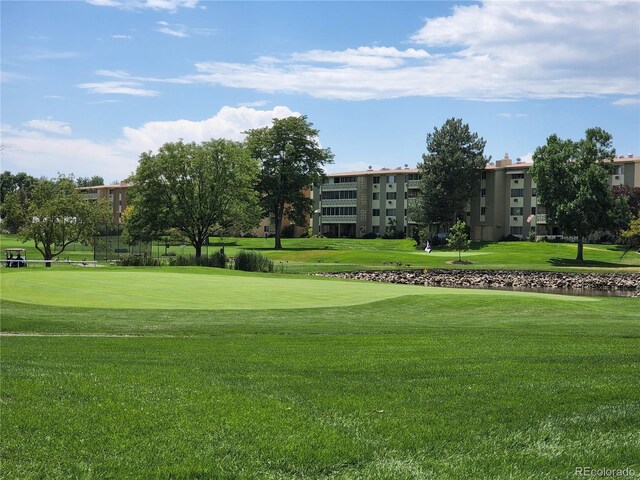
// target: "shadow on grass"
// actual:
[[570, 262], [293, 249]]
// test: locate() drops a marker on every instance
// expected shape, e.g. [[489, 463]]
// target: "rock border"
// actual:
[[618, 284]]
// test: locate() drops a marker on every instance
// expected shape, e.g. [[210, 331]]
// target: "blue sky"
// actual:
[[88, 86]]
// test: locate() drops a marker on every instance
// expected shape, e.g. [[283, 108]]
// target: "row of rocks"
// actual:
[[627, 284]]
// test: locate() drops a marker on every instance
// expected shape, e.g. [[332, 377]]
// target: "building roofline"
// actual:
[[103, 187]]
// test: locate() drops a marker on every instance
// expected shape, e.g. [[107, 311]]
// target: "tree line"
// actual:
[[197, 189], [220, 186], [572, 180]]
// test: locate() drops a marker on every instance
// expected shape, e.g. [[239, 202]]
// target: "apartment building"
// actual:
[[116, 195], [354, 204]]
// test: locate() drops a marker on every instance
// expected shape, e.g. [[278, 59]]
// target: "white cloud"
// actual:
[[6, 77], [49, 55], [51, 126], [493, 51], [175, 31], [380, 57], [120, 88], [168, 5], [228, 123], [122, 37], [41, 154], [257, 103], [626, 102]]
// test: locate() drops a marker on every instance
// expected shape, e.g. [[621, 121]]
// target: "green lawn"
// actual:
[[304, 255], [414, 383]]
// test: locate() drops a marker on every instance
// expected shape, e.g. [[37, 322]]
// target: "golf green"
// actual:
[[226, 290], [159, 290]]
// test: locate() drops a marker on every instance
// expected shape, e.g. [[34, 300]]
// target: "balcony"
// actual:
[[541, 218], [338, 219], [340, 202], [339, 186]]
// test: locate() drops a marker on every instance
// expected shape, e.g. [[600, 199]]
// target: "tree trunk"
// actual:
[[198, 247], [580, 257], [278, 244], [278, 220], [47, 256]]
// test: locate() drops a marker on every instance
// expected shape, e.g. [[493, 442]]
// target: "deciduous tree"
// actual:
[[89, 181], [197, 189], [291, 162], [572, 180], [458, 239], [57, 216]]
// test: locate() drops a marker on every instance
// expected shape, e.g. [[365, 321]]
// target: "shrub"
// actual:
[[289, 231], [250, 261], [369, 236], [217, 260], [510, 238], [139, 261]]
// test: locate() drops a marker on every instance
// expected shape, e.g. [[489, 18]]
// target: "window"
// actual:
[[483, 175], [331, 211], [533, 210], [344, 179], [340, 195], [517, 192], [412, 193], [517, 176], [413, 176], [483, 210], [515, 230], [376, 179], [534, 192], [483, 192], [375, 212], [391, 212], [391, 179], [376, 229], [266, 229], [376, 196], [515, 211], [391, 195]]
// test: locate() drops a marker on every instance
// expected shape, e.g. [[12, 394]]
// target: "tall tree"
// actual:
[[572, 180], [291, 162], [450, 173], [57, 215], [631, 196], [89, 181], [10, 183], [197, 189], [15, 192]]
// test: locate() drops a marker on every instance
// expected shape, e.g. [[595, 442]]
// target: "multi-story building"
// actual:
[[116, 195], [354, 204], [358, 203]]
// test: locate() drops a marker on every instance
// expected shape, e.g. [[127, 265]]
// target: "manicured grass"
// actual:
[[305, 255], [183, 288], [416, 385], [323, 254]]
